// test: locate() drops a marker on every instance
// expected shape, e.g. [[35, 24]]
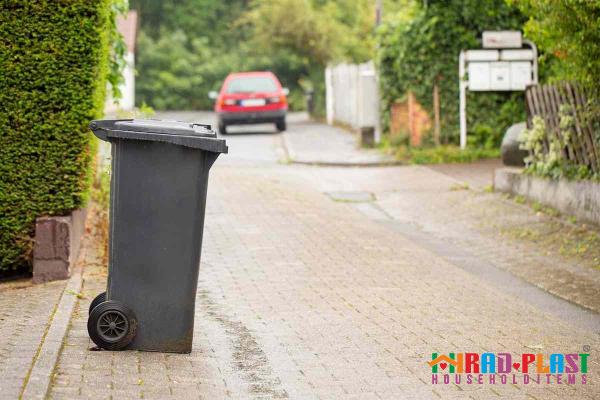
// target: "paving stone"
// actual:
[[25, 310], [302, 297]]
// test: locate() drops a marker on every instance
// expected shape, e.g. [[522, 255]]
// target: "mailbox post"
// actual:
[[506, 63]]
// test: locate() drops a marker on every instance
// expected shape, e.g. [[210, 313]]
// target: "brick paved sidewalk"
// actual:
[[25, 310], [478, 174], [302, 297], [310, 142], [499, 232]]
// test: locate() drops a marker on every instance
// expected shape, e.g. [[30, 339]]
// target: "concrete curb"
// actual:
[[578, 198], [291, 158], [39, 379]]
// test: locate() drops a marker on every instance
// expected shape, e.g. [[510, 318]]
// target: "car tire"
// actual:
[[281, 125], [223, 129]]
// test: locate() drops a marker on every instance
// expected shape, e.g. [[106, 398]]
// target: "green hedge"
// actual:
[[416, 51], [53, 67]]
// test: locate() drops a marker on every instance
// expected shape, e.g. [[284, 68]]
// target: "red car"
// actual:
[[251, 98]]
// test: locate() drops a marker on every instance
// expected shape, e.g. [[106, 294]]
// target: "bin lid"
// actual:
[[198, 136]]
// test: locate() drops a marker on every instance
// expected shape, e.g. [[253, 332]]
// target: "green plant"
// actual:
[[118, 47], [443, 154], [520, 199], [568, 35], [549, 151], [54, 58], [567, 32], [459, 186], [100, 210], [419, 49]]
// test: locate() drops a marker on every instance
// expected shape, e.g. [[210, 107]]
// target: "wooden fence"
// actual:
[[582, 146]]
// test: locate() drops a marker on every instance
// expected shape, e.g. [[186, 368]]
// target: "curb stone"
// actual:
[[39, 379], [290, 156]]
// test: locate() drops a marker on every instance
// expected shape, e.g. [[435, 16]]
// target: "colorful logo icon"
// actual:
[[505, 368]]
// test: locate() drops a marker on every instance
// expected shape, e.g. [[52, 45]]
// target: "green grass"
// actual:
[[459, 186], [446, 154], [562, 234]]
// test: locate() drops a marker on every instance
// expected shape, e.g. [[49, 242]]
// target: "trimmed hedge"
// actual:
[[54, 58]]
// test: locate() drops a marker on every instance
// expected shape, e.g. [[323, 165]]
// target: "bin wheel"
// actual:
[[281, 125], [101, 298], [111, 325]]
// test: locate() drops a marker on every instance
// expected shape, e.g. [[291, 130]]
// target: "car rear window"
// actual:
[[251, 84]]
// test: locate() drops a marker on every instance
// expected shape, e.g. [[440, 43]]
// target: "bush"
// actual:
[[54, 60], [416, 53], [175, 71], [568, 33]]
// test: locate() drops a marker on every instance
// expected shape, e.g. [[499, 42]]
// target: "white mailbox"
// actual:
[[479, 76], [500, 75], [515, 55], [482, 55], [521, 75], [501, 39], [502, 65]]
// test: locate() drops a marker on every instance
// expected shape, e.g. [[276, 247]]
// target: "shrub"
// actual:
[[417, 52], [54, 58], [568, 33]]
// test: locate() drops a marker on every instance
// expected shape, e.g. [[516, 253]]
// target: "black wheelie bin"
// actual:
[[159, 176]]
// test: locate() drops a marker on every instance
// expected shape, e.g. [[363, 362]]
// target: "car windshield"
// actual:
[[251, 84]]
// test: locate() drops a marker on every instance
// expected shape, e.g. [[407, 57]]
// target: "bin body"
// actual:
[[157, 207]]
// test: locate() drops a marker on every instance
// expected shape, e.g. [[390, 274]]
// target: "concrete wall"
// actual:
[[353, 96], [578, 198]]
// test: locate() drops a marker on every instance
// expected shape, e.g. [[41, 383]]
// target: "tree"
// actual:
[[293, 38], [568, 32]]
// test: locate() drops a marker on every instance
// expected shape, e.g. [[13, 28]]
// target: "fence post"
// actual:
[[436, 113]]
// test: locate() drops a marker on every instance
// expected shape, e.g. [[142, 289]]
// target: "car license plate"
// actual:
[[253, 102]]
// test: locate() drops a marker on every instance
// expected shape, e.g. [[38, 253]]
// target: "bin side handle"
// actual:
[[101, 127], [209, 159]]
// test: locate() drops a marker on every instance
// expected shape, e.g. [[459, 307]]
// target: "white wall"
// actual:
[[127, 101], [353, 96]]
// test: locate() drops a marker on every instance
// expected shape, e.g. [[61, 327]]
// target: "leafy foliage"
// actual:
[[568, 35], [420, 48], [318, 31], [54, 58], [174, 70], [568, 32], [548, 152], [117, 61], [180, 60]]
